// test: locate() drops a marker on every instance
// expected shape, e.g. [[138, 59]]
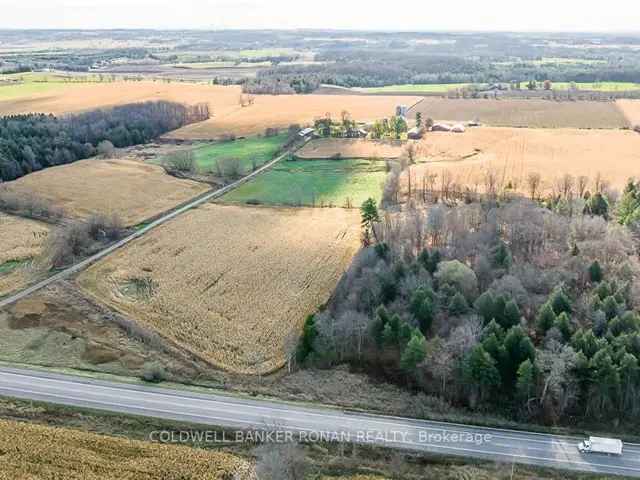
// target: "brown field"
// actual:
[[40, 452], [350, 148], [514, 152], [283, 110], [134, 190], [237, 287], [631, 110], [20, 239], [524, 113], [86, 96]]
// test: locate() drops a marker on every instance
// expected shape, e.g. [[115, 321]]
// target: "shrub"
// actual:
[[154, 373], [28, 205], [183, 162], [76, 239], [458, 275]]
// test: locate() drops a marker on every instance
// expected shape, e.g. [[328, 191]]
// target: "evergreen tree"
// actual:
[[458, 305], [423, 258], [502, 256], [560, 302], [610, 307], [595, 272], [379, 324], [414, 353], [563, 324], [526, 381], [484, 306], [309, 334], [545, 319], [511, 315], [597, 205], [369, 216], [434, 259], [480, 371]]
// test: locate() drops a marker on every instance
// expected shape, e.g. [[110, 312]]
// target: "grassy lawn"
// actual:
[[258, 149], [314, 183]]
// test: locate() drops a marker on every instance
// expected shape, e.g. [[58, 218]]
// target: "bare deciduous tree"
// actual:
[[533, 184]]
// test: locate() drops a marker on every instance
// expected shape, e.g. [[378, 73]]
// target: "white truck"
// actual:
[[609, 446]]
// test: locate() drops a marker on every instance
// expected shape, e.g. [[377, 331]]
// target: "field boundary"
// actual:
[[171, 214]]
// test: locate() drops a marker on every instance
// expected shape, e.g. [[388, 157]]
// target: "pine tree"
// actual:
[[595, 272], [309, 334], [414, 353], [458, 305], [563, 324], [526, 381], [610, 307], [480, 370], [546, 319], [560, 302], [484, 306], [370, 216], [502, 256], [511, 315], [434, 260], [423, 258]]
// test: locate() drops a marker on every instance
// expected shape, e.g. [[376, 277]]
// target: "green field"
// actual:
[[247, 150], [337, 183], [599, 86], [11, 265], [446, 87], [421, 88]]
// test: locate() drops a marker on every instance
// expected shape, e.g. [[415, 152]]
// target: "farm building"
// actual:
[[441, 127], [306, 132], [458, 128], [415, 133]]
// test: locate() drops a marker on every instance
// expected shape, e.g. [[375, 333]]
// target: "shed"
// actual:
[[458, 128]]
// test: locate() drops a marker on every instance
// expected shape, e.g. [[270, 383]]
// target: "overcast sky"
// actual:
[[512, 15]]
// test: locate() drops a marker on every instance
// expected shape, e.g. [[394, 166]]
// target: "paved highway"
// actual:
[[310, 423], [207, 197]]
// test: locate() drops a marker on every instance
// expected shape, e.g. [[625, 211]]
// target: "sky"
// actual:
[[460, 15]]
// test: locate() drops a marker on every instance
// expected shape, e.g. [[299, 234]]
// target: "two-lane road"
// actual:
[[313, 423]]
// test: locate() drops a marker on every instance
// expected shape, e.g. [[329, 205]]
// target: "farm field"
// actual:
[[238, 286], [350, 148], [534, 113], [60, 98], [36, 451], [631, 110], [514, 152], [417, 88], [21, 240], [339, 183], [132, 189], [247, 150], [446, 87], [284, 110]]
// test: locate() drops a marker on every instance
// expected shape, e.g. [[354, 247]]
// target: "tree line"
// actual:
[[31, 142]]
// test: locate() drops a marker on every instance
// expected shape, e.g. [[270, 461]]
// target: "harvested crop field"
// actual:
[[350, 148], [534, 113], [20, 240], [230, 284], [515, 152], [133, 190], [631, 110], [61, 98], [284, 110], [35, 451]]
